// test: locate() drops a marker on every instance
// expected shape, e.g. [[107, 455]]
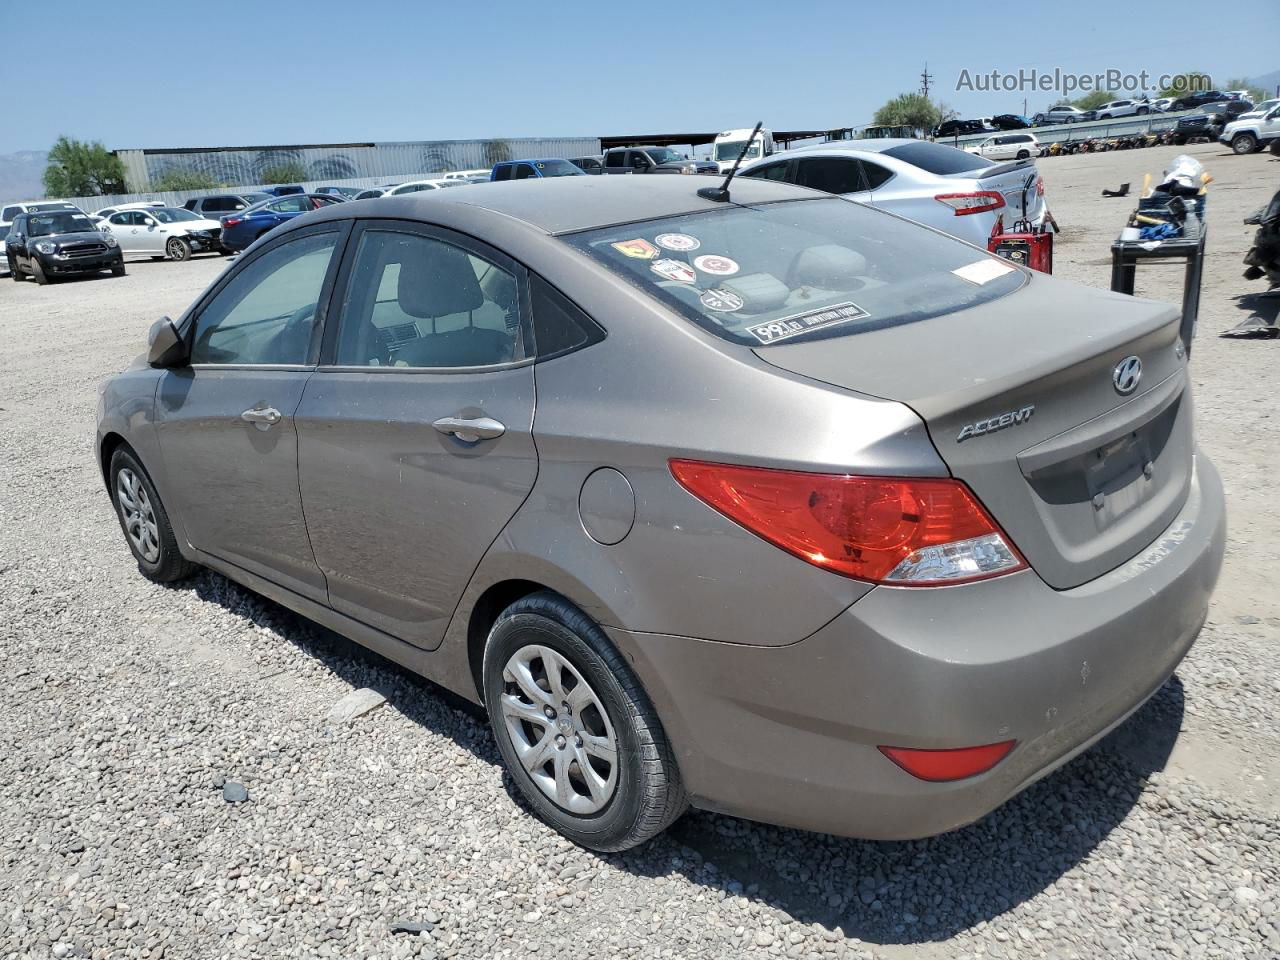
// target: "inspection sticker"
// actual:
[[674, 270], [679, 242], [983, 271], [793, 326], [717, 265], [637, 249], [723, 301]]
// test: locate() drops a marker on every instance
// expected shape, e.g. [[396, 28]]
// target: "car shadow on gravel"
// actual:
[[907, 892]]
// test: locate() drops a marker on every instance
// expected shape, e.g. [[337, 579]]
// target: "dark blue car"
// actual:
[[240, 229]]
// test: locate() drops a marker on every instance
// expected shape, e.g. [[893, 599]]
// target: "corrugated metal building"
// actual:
[[345, 161]]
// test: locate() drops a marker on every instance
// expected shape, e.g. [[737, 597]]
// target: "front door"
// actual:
[[415, 433], [226, 421], [842, 175]]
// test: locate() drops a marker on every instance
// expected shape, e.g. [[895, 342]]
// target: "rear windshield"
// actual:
[[798, 270], [937, 158]]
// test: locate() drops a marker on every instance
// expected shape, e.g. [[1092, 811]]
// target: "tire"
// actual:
[[37, 271], [1243, 143], [640, 793], [1179, 141], [1105, 116], [177, 249], [1143, 111], [118, 270], [1275, 148], [138, 505], [14, 272], [1023, 155]]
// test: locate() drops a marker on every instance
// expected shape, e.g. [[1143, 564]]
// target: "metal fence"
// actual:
[[1070, 132]]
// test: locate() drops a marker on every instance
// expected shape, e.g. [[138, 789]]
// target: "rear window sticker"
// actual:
[[793, 326], [716, 265], [678, 242], [982, 271], [674, 270], [722, 301], [637, 249]]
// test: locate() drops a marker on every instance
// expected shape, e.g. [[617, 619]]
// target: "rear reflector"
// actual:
[[891, 530], [966, 203], [938, 766]]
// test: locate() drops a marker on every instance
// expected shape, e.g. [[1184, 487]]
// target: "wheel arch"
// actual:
[[110, 443], [484, 614]]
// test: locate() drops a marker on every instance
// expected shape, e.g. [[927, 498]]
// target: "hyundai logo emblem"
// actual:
[[1126, 375]]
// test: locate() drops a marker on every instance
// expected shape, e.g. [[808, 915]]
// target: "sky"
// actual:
[[162, 74]]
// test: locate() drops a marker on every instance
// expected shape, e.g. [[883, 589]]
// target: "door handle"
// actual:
[[267, 415], [470, 431]]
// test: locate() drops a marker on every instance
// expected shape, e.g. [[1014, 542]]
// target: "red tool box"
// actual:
[[1028, 245]]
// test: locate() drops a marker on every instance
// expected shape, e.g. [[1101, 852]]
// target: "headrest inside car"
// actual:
[[437, 281], [760, 291], [829, 266]]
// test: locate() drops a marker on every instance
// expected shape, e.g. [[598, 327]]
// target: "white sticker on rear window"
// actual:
[[793, 326], [982, 271]]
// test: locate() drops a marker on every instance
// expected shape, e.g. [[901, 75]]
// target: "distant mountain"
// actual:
[[1268, 82], [20, 174]]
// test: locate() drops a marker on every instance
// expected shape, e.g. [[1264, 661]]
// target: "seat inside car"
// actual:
[[442, 284]]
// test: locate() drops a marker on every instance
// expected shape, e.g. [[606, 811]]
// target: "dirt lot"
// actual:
[[125, 706]]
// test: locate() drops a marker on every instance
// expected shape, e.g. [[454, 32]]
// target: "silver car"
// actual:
[[781, 506]]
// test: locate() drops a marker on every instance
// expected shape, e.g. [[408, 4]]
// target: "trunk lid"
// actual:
[[1019, 399], [1013, 181]]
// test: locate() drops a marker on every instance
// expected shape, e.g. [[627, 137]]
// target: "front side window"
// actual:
[[266, 313], [416, 301], [798, 270], [770, 171], [120, 219], [525, 171]]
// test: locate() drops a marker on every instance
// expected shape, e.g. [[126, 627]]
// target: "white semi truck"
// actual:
[[728, 146]]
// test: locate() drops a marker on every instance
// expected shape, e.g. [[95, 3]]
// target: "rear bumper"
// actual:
[[789, 735]]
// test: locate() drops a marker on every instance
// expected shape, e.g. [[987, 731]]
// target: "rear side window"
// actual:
[[770, 171], [875, 174], [937, 158], [615, 158], [830, 174], [559, 327], [798, 270], [502, 172], [10, 212], [417, 301]]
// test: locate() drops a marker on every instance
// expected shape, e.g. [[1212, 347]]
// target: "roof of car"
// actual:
[[870, 145], [567, 204]]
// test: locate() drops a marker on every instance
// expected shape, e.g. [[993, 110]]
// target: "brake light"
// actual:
[[1039, 186], [938, 766], [964, 204], [232, 222], [891, 530]]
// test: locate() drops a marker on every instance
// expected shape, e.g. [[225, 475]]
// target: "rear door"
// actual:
[[837, 174], [415, 436], [226, 421]]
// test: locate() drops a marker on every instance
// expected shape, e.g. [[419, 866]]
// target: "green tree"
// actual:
[[184, 180], [1256, 94], [1092, 101], [1184, 83], [80, 169], [908, 110], [291, 171]]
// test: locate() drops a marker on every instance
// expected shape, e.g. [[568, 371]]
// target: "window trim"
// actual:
[[190, 320], [329, 343]]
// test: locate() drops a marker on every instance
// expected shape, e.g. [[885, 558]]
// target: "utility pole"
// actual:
[[925, 79]]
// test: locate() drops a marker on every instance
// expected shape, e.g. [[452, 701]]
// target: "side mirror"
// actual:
[[165, 346]]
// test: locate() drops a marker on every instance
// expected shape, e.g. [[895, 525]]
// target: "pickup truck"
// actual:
[[1252, 133]]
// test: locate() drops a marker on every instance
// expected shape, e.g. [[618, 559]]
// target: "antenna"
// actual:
[[720, 194]]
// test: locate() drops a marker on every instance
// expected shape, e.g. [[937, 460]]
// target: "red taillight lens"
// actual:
[[964, 204], [232, 223], [941, 765], [910, 532], [1039, 186]]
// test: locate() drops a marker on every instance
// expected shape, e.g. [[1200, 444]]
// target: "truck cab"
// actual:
[[728, 146]]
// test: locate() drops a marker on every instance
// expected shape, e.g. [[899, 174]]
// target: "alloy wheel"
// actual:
[[139, 515], [559, 729]]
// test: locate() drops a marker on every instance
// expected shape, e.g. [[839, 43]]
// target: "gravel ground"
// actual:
[[133, 717]]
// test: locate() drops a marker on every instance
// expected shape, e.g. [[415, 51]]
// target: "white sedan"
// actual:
[[163, 232], [942, 187], [417, 186]]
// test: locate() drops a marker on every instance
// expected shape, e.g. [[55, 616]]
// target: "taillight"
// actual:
[[939, 766], [232, 223], [1039, 186], [964, 204], [891, 530]]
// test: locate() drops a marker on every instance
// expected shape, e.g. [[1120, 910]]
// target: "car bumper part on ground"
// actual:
[[789, 735]]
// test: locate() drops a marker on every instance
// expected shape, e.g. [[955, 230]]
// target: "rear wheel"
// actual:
[[1023, 154], [178, 249], [144, 521], [1143, 111], [577, 732], [1243, 143], [37, 271]]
